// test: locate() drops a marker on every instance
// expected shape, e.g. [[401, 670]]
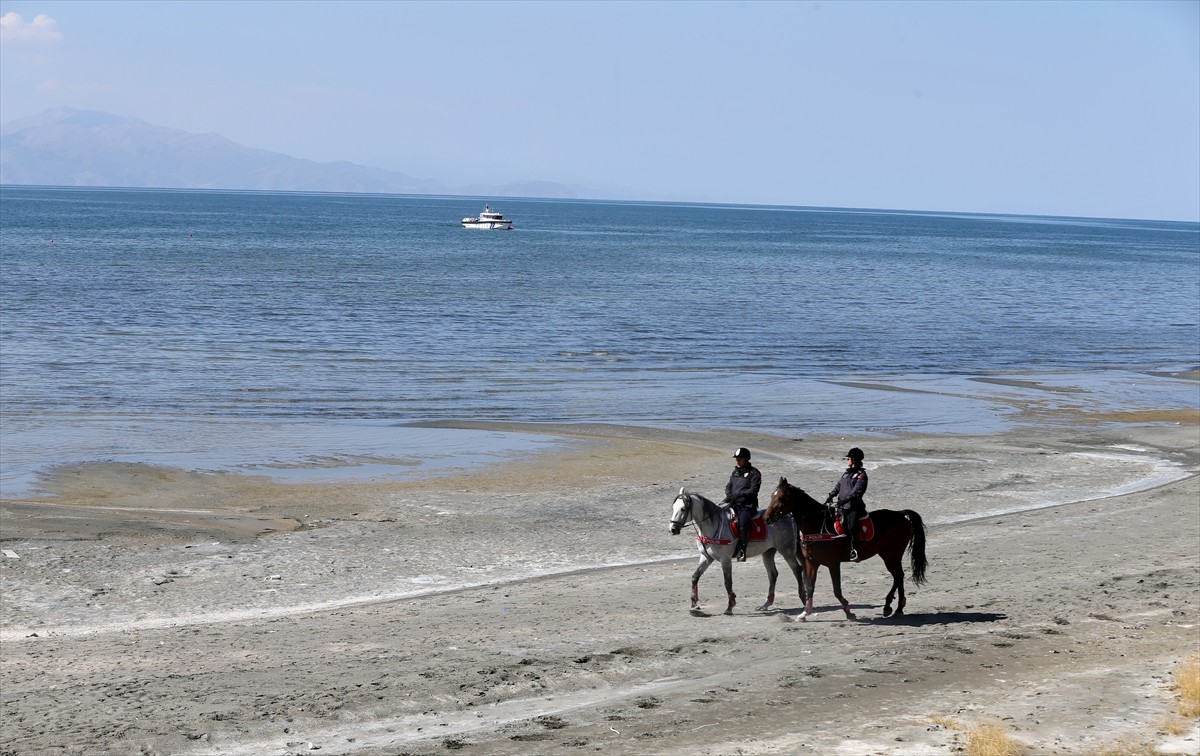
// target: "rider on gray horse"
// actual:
[[849, 494], [741, 493]]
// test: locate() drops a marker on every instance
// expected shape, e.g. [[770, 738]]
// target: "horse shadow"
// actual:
[[939, 618], [908, 619]]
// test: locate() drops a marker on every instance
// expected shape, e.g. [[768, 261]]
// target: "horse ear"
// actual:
[[783, 481], [682, 490]]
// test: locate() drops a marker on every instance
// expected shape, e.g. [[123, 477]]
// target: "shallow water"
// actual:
[[287, 450], [153, 324]]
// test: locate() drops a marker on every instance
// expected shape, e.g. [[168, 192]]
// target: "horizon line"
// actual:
[[610, 201]]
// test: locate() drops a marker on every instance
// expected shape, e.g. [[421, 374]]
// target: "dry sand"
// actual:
[[156, 611]]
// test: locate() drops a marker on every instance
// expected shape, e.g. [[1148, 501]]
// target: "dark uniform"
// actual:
[[849, 493], [741, 493]]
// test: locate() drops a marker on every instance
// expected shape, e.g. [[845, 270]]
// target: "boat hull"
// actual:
[[488, 220]]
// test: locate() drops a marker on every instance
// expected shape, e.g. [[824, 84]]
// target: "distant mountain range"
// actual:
[[68, 147]]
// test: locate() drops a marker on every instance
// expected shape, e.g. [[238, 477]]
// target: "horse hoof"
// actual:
[[763, 608], [850, 616], [887, 611]]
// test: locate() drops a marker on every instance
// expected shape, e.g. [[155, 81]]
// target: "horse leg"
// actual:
[[810, 584], [794, 563], [895, 566], [727, 568], [705, 561], [772, 575], [835, 576]]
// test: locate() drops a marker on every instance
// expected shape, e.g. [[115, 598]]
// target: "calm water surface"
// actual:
[[135, 323]]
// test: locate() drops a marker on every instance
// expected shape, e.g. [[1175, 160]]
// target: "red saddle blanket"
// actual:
[[865, 528], [758, 527]]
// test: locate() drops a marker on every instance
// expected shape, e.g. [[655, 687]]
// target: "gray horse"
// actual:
[[715, 541]]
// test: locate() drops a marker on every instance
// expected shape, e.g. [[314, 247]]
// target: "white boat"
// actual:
[[488, 219]]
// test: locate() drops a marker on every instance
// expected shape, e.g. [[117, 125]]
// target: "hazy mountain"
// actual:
[[68, 147], [547, 189]]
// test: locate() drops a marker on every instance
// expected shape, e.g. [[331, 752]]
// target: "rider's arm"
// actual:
[[755, 484], [860, 486]]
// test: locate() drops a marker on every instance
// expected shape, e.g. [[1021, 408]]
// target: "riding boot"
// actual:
[[740, 553], [849, 524]]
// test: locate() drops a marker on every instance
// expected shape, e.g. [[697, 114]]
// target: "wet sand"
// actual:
[[541, 606]]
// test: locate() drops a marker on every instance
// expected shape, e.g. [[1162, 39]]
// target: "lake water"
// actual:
[[260, 331]]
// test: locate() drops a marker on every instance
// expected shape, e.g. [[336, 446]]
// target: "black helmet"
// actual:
[[741, 451], [855, 454]]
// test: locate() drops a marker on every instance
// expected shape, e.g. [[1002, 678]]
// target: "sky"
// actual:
[[1073, 108]]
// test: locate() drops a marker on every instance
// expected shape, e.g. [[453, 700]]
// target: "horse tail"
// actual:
[[917, 547]]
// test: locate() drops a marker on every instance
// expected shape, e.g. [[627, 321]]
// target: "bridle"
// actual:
[[771, 518], [686, 514], [783, 509]]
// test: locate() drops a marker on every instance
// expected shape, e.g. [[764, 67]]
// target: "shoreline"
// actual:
[[336, 450], [467, 611]]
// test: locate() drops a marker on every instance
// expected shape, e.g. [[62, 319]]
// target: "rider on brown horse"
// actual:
[[849, 494]]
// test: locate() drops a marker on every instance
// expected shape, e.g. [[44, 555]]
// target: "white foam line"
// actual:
[[1159, 478], [158, 623], [1162, 473]]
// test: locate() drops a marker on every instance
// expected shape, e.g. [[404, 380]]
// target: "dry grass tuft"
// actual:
[[991, 740], [1173, 725], [1187, 686], [942, 721], [982, 740]]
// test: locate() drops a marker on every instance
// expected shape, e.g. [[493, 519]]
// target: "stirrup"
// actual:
[[853, 554]]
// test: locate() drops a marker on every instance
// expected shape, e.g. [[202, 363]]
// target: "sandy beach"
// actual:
[[541, 606]]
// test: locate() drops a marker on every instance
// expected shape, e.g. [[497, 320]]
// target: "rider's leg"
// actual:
[[745, 517], [849, 525]]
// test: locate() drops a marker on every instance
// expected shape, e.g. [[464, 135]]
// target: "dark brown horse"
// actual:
[[894, 533]]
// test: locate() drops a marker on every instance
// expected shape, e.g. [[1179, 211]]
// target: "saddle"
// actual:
[[865, 528], [758, 527]]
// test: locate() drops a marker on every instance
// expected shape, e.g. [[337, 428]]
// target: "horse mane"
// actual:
[[708, 504]]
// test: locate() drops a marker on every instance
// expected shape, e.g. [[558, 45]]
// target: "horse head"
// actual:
[[787, 499], [780, 505], [681, 511]]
